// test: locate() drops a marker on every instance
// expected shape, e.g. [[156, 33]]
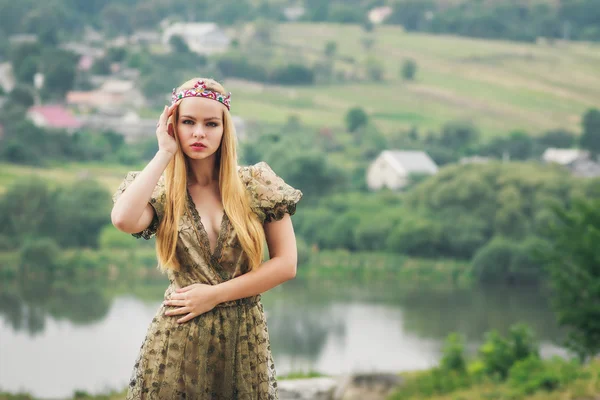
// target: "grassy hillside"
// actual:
[[501, 86], [109, 175]]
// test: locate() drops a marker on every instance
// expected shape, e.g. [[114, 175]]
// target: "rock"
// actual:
[[307, 389], [376, 386]]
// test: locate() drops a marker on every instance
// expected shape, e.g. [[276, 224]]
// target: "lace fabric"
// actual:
[[225, 353]]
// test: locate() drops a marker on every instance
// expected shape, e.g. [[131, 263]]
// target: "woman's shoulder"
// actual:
[[130, 177], [270, 192]]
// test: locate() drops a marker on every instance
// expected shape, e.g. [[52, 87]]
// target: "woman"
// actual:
[[209, 339]]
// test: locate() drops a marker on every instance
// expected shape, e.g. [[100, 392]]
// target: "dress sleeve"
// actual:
[[156, 201], [271, 196]]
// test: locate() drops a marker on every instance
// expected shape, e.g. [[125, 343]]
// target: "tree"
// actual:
[[458, 134], [59, 68], [409, 69], [559, 138], [116, 18], [410, 13], [356, 118], [178, 44], [572, 259], [25, 59], [375, 69], [22, 95], [590, 137], [330, 48]]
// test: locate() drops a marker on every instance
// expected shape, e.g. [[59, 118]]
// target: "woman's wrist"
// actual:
[[164, 154], [220, 293]]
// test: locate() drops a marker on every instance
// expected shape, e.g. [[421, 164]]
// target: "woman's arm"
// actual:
[[132, 212], [281, 241], [196, 299]]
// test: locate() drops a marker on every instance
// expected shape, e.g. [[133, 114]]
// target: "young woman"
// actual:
[[209, 338]]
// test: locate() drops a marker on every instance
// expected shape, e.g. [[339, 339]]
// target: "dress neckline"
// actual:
[[204, 240]]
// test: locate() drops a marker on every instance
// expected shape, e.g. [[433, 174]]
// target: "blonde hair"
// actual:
[[236, 202]]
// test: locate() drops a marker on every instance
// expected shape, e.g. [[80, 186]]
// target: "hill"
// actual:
[[501, 86]]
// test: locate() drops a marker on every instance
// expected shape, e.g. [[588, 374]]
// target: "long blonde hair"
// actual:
[[236, 202]]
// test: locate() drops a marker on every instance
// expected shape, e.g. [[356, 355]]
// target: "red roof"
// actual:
[[56, 116]]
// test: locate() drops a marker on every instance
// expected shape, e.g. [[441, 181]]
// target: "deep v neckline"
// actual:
[[215, 254]]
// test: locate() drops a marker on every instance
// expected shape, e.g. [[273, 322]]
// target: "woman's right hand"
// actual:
[[165, 134]]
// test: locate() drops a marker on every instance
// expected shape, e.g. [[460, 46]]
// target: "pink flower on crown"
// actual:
[[200, 90]]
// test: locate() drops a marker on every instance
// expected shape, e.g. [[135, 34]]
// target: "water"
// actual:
[[53, 345]]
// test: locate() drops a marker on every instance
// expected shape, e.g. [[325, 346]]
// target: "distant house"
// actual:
[[201, 38], [392, 168], [129, 124], [114, 93], [53, 117], [564, 156], [579, 162], [82, 49], [145, 37], [21, 38], [475, 160], [293, 13], [7, 78], [379, 14]]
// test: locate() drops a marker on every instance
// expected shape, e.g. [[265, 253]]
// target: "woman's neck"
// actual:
[[203, 172]]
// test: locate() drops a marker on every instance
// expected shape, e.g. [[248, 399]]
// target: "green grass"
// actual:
[[499, 85], [586, 387], [108, 175]]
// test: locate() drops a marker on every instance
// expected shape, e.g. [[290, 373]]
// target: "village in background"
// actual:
[[448, 155]]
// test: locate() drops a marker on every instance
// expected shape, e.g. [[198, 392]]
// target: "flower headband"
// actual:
[[200, 90]]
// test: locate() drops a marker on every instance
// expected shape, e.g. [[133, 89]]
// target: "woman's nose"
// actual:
[[199, 132]]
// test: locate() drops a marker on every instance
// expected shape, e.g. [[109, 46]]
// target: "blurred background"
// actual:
[[448, 155]]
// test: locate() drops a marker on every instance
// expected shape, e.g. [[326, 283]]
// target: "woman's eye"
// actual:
[[213, 124], [189, 122]]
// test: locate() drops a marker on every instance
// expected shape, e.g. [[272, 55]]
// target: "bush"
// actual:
[[356, 118], [491, 263], [111, 238], [415, 236], [40, 258], [293, 74], [530, 375], [409, 70], [499, 354], [453, 358]]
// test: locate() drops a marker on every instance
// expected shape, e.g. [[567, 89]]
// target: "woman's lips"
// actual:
[[198, 147]]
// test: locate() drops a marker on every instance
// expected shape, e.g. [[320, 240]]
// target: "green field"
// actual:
[[109, 175], [500, 86]]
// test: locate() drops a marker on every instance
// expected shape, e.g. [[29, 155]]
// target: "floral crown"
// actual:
[[200, 90]]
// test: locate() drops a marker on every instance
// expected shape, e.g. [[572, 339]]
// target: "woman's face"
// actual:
[[200, 126]]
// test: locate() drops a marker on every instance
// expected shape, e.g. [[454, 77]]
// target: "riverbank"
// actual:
[[113, 264], [585, 385]]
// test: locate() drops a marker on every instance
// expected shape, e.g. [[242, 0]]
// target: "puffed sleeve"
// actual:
[[156, 201], [271, 196]]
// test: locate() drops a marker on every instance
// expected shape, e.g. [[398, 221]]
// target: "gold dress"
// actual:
[[225, 353]]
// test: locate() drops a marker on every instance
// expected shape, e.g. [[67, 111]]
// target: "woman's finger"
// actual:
[[163, 117], [186, 318], [175, 303], [171, 109], [178, 311]]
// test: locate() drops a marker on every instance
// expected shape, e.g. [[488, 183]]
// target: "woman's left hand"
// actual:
[[192, 300]]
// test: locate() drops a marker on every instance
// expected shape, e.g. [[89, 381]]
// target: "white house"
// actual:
[[7, 78], [379, 14], [393, 168], [564, 156], [201, 38], [579, 162]]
